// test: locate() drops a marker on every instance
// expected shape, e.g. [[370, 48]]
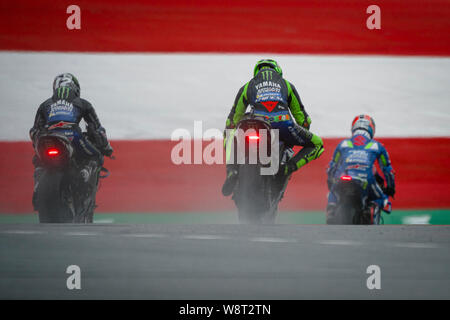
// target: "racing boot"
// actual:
[[37, 175], [331, 210], [386, 205], [230, 181], [88, 171]]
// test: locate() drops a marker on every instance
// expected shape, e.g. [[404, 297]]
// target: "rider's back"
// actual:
[[68, 108], [268, 92], [357, 155]]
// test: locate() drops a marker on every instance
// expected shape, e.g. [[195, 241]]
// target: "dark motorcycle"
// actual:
[[352, 206], [62, 193], [256, 195]]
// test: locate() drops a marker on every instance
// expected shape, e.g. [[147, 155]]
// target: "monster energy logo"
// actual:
[[266, 74], [63, 92]]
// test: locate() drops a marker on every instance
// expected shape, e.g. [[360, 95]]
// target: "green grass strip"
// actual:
[[435, 217]]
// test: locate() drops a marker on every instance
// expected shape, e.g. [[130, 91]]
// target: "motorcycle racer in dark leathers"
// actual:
[[277, 100], [358, 156], [64, 111]]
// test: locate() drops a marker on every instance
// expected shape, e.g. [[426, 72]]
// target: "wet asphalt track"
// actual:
[[224, 261]]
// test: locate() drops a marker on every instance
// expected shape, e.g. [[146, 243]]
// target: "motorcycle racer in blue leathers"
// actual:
[[63, 112], [356, 157]]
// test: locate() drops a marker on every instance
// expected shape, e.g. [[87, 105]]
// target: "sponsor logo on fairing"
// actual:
[[61, 125], [359, 140], [273, 96], [358, 156], [61, 107], [269, 105], [357, 167], [267, 84]]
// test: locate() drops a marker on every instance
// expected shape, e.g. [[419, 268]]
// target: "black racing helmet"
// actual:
[[66, 80]]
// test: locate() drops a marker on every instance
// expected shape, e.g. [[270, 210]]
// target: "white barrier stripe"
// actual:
[[99, 74]]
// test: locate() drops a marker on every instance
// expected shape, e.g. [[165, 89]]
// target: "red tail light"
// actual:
[[346, 178], [52, 152], [253, 137]]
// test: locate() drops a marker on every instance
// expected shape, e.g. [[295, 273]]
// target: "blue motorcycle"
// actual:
[[353, 205]]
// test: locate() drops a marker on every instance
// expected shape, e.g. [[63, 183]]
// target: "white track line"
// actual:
[[204, 237], [104, 221], [81, 234], [22, 232], [415, 245], [144, 235], [272, 240], [340, 242]]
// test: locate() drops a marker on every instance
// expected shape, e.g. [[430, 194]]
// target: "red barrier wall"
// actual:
[[416, 27], [143, 179]]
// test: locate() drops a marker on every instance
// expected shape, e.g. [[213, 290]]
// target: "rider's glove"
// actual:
[[390, 191], [35, 133], [379, 179], [98, 137], [108, 150]]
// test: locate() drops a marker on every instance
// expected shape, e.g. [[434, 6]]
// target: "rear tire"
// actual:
[[251, 196], [345, 214], [50, 206]]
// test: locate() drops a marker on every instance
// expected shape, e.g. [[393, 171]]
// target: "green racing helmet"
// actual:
[[267, 63]]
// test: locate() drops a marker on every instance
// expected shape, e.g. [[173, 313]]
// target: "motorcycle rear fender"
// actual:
[[349, 191], [58, 136], [57, 139]]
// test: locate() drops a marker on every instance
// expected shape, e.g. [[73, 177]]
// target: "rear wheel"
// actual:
[[51, 207], [251, 196], [345, 213]]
